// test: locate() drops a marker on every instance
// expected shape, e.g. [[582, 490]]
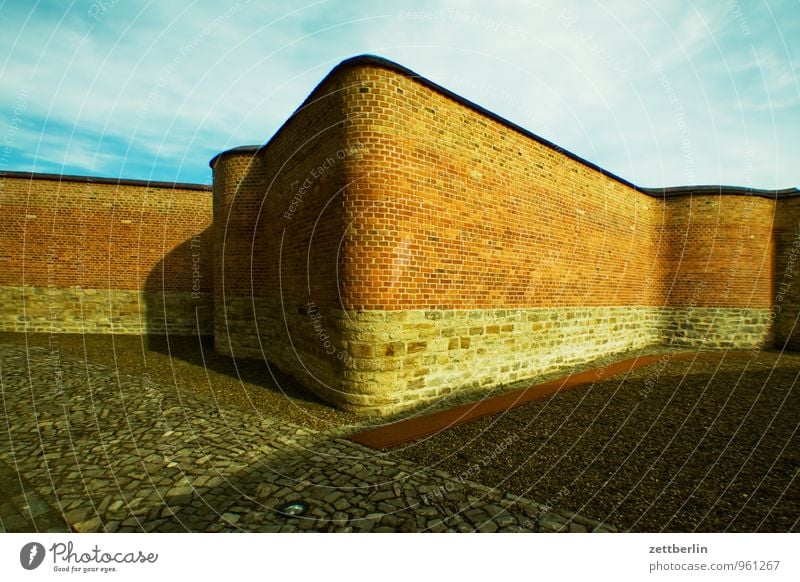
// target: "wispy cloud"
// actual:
[[659, 92]]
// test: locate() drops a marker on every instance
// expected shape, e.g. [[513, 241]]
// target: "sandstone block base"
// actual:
[[381, 362], [78, 310]]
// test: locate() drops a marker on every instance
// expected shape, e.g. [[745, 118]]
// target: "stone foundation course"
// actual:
[[383, 362], [78, 310]]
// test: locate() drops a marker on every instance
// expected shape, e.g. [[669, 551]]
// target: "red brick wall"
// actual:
[[101, 236], [785, 310], [717, 251], [451, 209], [437, 206], [278, 216]]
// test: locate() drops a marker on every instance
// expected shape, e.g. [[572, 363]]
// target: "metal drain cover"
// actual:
[[293, 509]]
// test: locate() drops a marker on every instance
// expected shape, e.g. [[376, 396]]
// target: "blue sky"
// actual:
[[659, 92]]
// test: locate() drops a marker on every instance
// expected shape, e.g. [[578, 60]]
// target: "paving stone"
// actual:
[[181, 495], [363, 524], [78, 515], [505, 520], [90, 525], [332, 497], [392, 521], [426, 511], [214, 482], [339, 519], [167, 512], [16, 523], [552, 524], [383, 496], [493, 510], [38, 507], [188, 475], [474, 515], [605, 529], [306, 524]]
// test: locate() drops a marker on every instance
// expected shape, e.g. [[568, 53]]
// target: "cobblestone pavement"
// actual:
[[86, 449]]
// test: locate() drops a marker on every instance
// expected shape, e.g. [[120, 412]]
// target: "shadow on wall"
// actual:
[[785, 310], [177, 291], [180, 320]]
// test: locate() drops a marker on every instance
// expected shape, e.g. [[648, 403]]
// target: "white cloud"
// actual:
[[180, 82]]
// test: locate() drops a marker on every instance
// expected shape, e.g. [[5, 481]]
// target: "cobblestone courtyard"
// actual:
[[88, 448]]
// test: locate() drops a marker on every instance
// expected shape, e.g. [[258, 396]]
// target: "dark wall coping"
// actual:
[[110, 181], [679, 191], [372, 60]]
